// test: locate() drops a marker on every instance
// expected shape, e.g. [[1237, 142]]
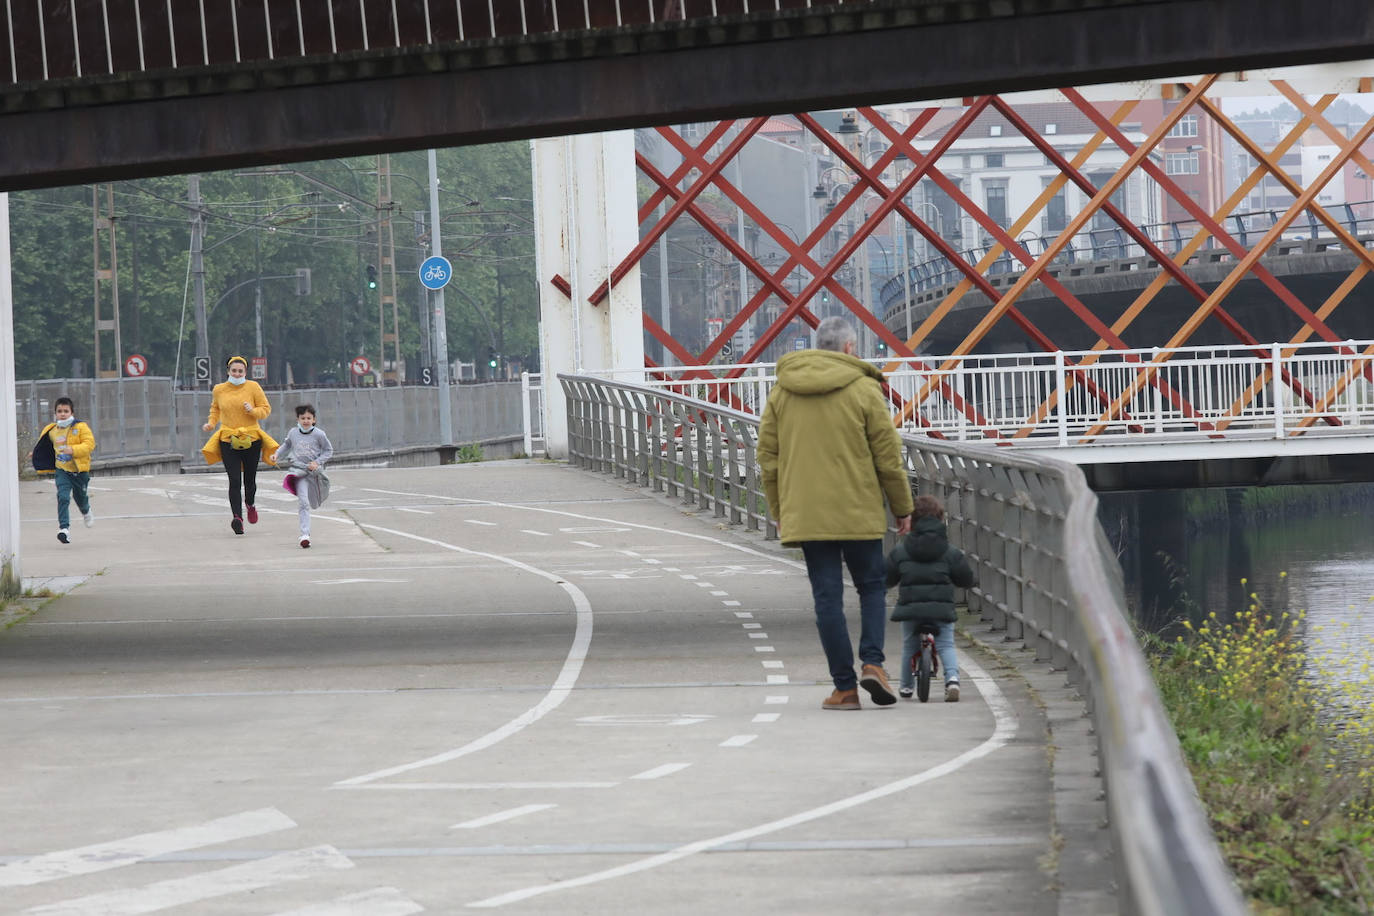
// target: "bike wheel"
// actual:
[[924, 668]]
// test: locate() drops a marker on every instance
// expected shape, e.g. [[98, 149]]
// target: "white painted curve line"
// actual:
[[289, 866], [738, 741], [562, 685], [380, 901], [475, 786], [499, 816], [659, 772], [118, 853], [1003, 731]]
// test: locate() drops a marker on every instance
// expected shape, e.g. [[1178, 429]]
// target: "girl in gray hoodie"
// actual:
[[308, 448]]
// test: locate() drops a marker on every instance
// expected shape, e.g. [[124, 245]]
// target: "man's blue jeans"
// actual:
[[71, 486], [868, 568]]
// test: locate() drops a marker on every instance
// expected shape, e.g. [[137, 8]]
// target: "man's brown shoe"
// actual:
[[842, 699], [874, 680]]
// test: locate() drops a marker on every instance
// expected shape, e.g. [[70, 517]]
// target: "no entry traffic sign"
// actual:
[[360, 366], [136, 365]]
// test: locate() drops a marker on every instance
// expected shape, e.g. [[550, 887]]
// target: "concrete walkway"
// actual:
[[511, 685]]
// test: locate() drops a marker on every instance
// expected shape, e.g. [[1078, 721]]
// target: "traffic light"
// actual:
[[491, 357], [371, 277]]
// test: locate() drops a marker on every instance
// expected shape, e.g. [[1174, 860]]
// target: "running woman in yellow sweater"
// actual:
[[236, 406]]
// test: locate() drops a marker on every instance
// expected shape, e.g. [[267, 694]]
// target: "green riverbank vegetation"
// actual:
[[1276, 720]]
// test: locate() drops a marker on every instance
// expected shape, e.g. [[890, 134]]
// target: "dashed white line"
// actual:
[[731, 603], [499, 816], [538, 534], [586, 544], [778, 679], [744, 615], [653, 562], [688, 576], [771, 664], [476, 521], [764, 649], [738, 741], [704, 585], [658, 772], [416, 511], [767, 717], [1004, 730], [775, 700], [718, 592], [752, 626], [757, 635], [629, 553]]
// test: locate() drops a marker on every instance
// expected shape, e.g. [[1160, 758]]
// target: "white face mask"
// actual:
[[67, 422], [237, 379], [304, 429]]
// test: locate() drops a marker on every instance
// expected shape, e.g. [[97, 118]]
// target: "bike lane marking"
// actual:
[[1003, 731], [562, 685]]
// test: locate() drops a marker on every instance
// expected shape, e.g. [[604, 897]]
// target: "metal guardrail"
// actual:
[[1100, 397], [1047, 575], [134, 418]]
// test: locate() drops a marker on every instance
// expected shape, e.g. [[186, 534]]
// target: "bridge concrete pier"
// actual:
[[9, 446], [585, 224]]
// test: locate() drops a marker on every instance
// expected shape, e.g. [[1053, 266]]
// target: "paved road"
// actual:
[[511, 685]]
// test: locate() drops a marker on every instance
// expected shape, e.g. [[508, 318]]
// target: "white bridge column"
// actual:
[[586, 222], [9, 447]]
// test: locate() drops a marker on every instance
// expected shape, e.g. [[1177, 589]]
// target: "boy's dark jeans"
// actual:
[[242, 467], [868, 567], [71, 484]]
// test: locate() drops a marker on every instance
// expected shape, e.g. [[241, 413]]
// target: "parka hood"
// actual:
[[928, 540], [822, 371]]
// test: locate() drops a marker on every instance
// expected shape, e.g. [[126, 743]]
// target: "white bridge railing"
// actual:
[[1102, 397]]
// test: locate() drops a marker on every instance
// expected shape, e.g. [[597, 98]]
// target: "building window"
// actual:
[[994, 160], [1051, 128], [1186, 127], [995, 130], [1180, 163], [996, 201], [1056, 215]]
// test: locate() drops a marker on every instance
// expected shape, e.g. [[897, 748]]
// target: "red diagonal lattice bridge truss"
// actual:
[[881, 186]]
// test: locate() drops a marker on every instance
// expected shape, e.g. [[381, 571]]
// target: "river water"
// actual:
[[1178, 568]]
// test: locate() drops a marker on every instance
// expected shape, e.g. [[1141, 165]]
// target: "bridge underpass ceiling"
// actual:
[[94, 91], [1106, 272]]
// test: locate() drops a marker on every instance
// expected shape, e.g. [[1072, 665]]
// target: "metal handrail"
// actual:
[[1047, 576]]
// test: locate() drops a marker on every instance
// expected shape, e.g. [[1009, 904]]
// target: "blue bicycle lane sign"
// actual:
[[435, 272]]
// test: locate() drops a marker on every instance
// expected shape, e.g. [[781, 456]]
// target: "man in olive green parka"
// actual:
[[829, 455]]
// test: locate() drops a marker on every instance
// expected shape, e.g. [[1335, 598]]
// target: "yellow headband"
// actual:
[[236, 359]]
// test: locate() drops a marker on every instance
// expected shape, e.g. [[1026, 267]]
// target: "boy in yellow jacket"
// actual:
[[64, 449]]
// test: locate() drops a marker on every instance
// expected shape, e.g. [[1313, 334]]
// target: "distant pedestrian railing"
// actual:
[[137, 418], [1098, 397], [1047, 575]]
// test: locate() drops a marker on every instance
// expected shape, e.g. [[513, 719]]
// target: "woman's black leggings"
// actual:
[[242, 467]]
